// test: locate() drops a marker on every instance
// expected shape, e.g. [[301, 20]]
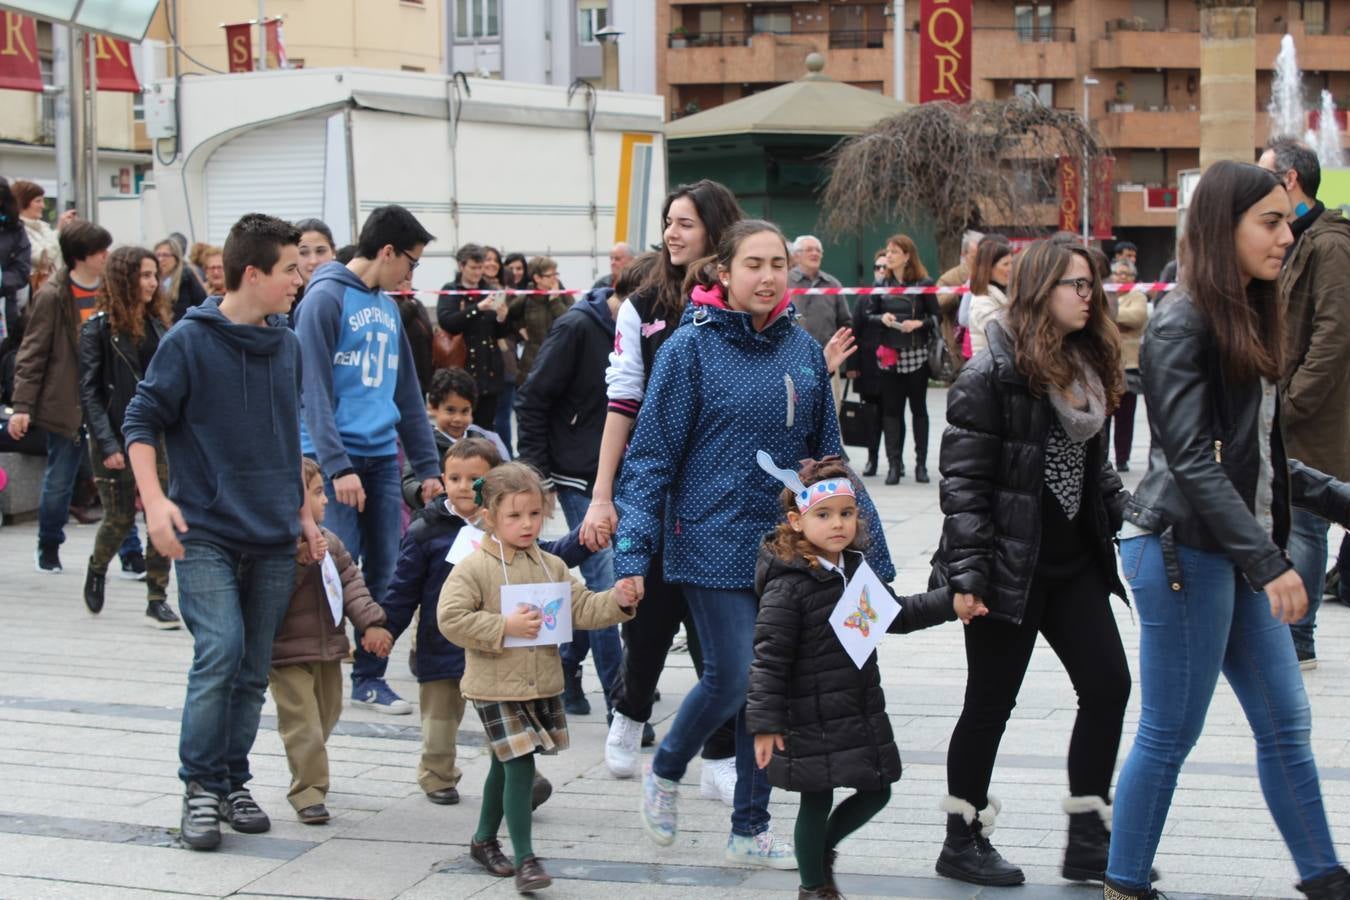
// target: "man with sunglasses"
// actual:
[[361, 400]]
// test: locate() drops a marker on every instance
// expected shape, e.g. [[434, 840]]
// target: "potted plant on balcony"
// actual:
[[679, 37]]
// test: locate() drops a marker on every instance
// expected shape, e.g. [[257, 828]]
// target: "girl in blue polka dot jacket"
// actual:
[[736, 377]]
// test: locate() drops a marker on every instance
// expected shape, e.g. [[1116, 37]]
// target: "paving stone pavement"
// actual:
[[89, 799]]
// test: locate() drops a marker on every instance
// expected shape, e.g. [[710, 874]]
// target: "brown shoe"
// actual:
[[313, 815], [825, 892], [531, 876], [488, 854]]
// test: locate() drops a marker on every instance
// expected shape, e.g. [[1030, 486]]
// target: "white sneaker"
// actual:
[[718, 781], [659, 816], [623, 747], [761, 850]]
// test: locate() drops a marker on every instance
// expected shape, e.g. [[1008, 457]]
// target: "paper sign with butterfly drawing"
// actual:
[[554, 602], [863, 614], [332, 587], [467, 541]]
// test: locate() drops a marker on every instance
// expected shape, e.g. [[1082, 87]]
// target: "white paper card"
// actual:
[[332, 586], [863, 614], [553, 599], [467, 541]]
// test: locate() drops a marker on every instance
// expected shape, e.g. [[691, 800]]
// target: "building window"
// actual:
[[1314, 16], [592, 16], [1042, 92], [1034, 21], [1148, 167], [771, 21], [46, 103], [476, 19]]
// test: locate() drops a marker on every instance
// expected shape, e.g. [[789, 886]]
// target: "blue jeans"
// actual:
[[1215, 623], [598, 571], [58, 486], [725, 622], [131, 544], [1308, 551], [233, 605], [371, 537]]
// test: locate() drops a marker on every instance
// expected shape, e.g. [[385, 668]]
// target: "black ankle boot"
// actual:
[[871, 468], [1089, 839], [921, 474], [1113, 891], [574, 696], [967, 854], [1334, 886], [893, 475]]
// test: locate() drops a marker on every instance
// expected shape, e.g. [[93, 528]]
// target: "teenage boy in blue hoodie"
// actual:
[[362, 399], [224, 391]]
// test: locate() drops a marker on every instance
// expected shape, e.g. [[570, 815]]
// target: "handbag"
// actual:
[[940, 364], [448, 351], [857, 420]]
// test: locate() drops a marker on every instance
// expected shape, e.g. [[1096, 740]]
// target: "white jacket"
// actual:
[[984, 308]]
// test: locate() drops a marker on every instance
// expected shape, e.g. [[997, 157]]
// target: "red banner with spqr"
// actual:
[[944, 50], [1070, 193], [19, 67], [239, 44], [112, 62]]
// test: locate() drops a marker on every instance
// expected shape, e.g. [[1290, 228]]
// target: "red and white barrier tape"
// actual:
[[829, 292]]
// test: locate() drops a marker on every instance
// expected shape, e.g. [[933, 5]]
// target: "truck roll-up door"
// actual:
[[277, 169]]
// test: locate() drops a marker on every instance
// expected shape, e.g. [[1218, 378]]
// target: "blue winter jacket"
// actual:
[[690, 486], [419, 575]]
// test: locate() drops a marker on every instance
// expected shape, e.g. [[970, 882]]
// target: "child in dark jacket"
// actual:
[[818, 719], [421, 571], [306, 675]]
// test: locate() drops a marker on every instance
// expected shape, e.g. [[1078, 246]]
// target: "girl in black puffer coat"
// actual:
[[819, 720]]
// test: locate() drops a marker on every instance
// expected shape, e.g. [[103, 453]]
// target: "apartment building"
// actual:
[[1143, 54]]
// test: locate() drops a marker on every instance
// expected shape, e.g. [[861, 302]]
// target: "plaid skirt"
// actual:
[[517, 728]]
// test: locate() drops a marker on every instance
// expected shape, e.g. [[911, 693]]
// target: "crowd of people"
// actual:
[[666, 411]]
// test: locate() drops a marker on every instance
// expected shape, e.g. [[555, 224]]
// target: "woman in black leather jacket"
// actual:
[[1203, 544], [896, 330], [116, 346], [1031, 507], [481, 318]]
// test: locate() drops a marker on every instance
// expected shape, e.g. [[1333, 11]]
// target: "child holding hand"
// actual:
[[818, 719], [307, 654], [517, 690]]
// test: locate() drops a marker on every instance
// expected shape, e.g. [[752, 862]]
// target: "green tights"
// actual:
[[507, 793], [819, 831]]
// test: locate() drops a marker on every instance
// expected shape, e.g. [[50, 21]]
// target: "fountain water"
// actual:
[[1289, 116]]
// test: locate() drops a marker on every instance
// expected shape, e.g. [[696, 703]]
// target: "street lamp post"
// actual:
[[1084, 177], [609, 49]]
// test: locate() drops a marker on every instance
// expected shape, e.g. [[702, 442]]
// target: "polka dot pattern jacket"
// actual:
[[690, 486]]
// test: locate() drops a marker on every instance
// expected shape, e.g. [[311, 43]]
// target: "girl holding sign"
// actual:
[[736, 376], [510, 605], [817, 714], [1031, 506]]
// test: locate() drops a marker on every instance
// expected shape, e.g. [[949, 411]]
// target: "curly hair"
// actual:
[[119, 294], [1048, 359], [788, 544]]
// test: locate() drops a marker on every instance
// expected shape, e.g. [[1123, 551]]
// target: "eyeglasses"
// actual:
[[413, 262], [878, 267], [1081, 286]]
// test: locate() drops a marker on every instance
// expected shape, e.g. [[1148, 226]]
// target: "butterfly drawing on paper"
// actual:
[[863, 618], [550, 612]]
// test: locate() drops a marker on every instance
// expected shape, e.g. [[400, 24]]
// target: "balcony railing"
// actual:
[[1151, 25], [1036, 34], [871, 38]]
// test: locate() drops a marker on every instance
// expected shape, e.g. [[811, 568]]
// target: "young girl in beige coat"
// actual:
[[516, 690]]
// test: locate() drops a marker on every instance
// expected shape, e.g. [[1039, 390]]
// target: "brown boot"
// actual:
[[824, 892], [531, 876], [488, 854]]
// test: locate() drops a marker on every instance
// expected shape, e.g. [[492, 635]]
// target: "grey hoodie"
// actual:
[[226, 398]]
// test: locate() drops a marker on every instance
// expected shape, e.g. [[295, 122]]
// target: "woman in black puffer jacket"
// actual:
[[822, 716], [1031, 508]]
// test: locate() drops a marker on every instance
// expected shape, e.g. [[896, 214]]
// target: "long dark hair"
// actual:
[[509, 282], [717, 209], [1044, 356], [1247, 323], [703, 272], [119, 293], [987, 256], [914, 267]]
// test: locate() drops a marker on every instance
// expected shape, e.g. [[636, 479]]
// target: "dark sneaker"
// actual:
[[49, 559], [540, 791], [243, 814], [313, 815], [93, 591], [445, 796], [200, 827], [133, 567], [648, 735], [377, 695], [1307, 659], [161, 616]]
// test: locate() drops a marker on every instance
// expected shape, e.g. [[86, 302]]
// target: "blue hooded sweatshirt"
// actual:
[[226, 398], [691, 486], [361, 393]]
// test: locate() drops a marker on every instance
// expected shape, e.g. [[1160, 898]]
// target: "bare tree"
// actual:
[[988, 161]]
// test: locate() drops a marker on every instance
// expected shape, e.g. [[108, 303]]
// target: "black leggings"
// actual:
[[646, 641], [896, 390], [1075, 617]]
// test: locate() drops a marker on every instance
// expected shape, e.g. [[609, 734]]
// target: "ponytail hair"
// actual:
[[704, 272]]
